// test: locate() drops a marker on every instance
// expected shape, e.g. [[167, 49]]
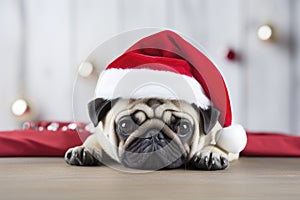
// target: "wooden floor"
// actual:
[[51, 178]]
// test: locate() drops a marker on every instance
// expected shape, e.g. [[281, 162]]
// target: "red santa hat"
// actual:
[[164, 65]]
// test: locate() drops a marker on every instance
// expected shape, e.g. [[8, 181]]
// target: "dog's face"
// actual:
[[152, 133]]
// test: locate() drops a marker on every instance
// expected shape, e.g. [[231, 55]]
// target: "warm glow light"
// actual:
[[85, 69], [265, 32], [19, 107]]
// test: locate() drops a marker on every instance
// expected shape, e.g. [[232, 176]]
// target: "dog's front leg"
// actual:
[[210, 158], [90, 153]]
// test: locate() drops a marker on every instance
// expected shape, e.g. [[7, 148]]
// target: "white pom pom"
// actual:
[[233, 139]]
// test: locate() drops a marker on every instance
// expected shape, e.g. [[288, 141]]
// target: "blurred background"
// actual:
[[255, 43]]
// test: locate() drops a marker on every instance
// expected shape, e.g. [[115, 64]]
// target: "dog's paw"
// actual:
[[210, 160], [80, 156]]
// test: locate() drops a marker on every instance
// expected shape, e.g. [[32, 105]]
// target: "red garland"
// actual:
[[42, 139]]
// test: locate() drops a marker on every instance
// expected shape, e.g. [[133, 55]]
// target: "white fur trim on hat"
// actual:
[[149, 83], [233, 139]]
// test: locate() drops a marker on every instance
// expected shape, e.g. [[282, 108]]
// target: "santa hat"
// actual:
[[164, 65]]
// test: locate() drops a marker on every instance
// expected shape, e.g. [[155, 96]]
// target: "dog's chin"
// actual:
[[151, 162], [150, 156]]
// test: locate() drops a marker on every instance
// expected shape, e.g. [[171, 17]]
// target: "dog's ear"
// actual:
[[98, 108], [209, 116]]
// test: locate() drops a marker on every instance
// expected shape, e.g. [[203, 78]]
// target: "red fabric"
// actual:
[[168, 51], [38, 143], [271, 144], [56, 143]]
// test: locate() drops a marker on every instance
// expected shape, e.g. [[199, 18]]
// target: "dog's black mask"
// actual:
[[152, 144]]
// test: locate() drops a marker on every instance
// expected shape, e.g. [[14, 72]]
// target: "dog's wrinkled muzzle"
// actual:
[[153, 146]]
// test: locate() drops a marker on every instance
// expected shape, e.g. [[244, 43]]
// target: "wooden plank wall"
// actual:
[[59, 34]]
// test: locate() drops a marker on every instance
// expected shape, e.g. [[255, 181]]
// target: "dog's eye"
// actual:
[[184, 127], [126, 125]]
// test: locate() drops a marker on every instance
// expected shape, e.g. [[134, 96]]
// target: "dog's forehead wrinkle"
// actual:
[[140, 116], [143, 108], [165, 108], [158, 108], [153, 103]]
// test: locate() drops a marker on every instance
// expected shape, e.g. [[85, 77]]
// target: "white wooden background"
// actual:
[[56, 35]]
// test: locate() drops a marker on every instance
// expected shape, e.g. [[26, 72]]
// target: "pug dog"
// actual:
[[151, 134], [160, 104]]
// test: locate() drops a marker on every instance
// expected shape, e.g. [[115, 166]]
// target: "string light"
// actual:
[[20, 107], [265, 32], [85, 69]]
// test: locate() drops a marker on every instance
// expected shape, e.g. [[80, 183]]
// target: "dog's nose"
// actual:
[[156, 138], [154, 134]]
